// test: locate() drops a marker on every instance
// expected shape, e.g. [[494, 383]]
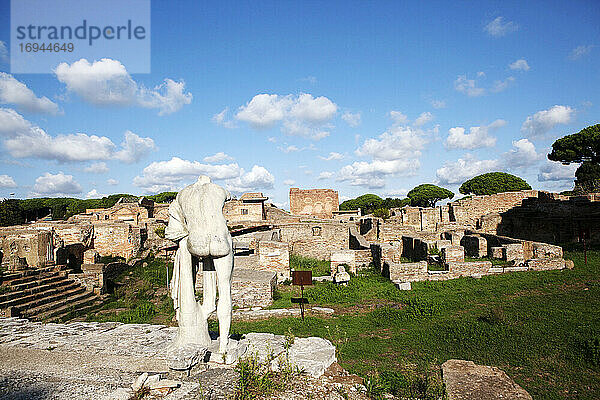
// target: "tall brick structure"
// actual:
[[318, 203]]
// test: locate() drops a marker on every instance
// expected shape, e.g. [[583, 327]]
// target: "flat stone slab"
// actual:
[[466, 380], [84, 360]]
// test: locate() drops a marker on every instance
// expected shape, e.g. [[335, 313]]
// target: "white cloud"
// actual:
[[134, 148], [397, 193], [93, 194], [12, 123], [332, 156], [310, 109], [221, 119], [478, 136], [3, 52], [325, 175], [464, 168], [217, 157], [112, 182], [302, 115], [372, 174], [169, 175], [422, 119], [97, 168], [500, 86], [289, 149], [23, 139], [519, 65], [499, 28], [289, 182], [107, 82], [351, 119], [555, 171], [258, 178], [398, 117], [7, 181], [56, 185], [580, 51], [395, 152], [540, 123], [14, 92], [522, 154], [264, 110], [438, 104], [395, 143], [468, 86]]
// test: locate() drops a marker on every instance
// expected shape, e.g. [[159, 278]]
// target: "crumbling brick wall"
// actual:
[[117, 239], [21, 243], [314, 202], [315, 239]]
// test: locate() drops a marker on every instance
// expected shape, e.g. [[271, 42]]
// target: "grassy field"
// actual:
[[542, 328]]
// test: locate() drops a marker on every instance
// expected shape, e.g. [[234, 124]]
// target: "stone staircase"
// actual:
[[43, 294]]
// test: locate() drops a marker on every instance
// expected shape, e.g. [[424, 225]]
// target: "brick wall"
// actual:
[[117, 239], [317, 240], [315, 202], [249, 288], [274, 257], [239, 211], [34, 246]]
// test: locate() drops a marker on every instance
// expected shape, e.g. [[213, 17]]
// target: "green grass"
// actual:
[[542, 328], [318, 267], [141, 296]]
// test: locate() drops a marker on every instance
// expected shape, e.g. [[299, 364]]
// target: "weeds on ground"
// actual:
[[318, 267], [421, 384]]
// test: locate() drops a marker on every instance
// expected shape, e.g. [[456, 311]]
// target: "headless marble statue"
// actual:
[[197, 223]]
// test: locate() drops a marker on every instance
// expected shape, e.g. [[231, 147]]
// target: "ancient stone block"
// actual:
[[274, 256], [466, 380], [346, 257], [249, 288], [453, 254], [408, 272], [544, 264], [513, 252], [496, 252], [90, 256]]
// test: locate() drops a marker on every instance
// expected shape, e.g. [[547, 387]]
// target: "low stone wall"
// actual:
[[99, 278], [406, 272], [354, 259], [249, 288]]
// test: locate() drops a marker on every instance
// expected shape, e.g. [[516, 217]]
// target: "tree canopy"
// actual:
[[493, 182], [427, 195], [579, 147], [15, 211], [371, 202]]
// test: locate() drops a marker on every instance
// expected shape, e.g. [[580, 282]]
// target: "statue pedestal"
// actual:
[[185, 357], [235, 350]]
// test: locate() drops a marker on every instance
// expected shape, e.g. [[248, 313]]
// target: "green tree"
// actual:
[[11, 212], [581, 147], [382, 213], [367, 203], [493, 182], [427, 195]]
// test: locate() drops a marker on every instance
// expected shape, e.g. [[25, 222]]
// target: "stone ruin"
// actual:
[[458, 239]]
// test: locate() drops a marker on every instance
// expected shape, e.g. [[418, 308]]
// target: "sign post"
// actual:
[[301, 278]]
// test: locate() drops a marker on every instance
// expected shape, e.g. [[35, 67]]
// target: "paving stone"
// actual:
[[466, 380]]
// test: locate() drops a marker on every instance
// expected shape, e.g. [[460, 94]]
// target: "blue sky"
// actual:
[[363, 97]]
